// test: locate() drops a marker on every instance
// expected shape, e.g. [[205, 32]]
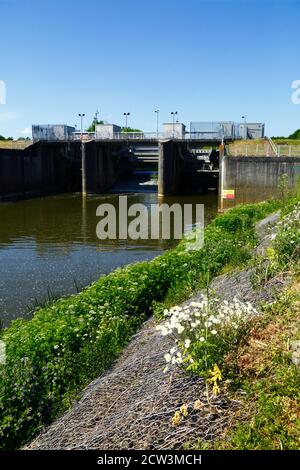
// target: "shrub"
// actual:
[[287, 240], [204, 332]]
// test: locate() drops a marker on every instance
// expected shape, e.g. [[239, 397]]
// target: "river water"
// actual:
[[49, 246]]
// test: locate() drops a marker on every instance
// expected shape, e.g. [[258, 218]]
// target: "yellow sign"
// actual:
[[228, 194]]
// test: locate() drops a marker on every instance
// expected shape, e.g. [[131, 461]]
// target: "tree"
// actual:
[[4, 138], [295, 135], [130, 129], [93, 125]]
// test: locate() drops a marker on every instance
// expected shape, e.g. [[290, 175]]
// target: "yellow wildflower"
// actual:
[[184, 410], [215, 378], [198, 405], [176, 418]]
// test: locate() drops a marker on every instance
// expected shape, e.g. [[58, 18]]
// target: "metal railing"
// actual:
[[288, 150], [136, 136], [250, 149], [274, 146]]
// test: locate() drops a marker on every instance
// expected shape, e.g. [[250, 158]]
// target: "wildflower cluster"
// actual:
[[204, 331], [287, 239]]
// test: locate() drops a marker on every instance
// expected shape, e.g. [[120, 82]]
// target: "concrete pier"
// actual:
[[105, 162], [170, 166]]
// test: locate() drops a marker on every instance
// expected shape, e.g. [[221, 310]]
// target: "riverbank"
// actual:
[[133, 405], [68, 344]]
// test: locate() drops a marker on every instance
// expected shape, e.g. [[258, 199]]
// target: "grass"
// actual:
[[270, 382], [260, 372], [15, 144], [255, 147], [261, 147], [71, 341]]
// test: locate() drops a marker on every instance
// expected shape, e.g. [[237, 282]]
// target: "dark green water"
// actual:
[[49, 247]]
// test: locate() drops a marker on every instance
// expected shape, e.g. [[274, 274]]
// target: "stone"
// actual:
[[295, 347]]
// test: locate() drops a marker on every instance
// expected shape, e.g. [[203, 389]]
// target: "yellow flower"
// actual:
[[176, 418], [215, 378], [198, 405], [184, 410]]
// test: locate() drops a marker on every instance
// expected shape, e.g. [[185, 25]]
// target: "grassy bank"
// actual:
[[260, 374], [51, 357], [268, 382]]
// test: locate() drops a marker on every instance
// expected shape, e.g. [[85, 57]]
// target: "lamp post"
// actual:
[[174, 113], [157, 120], [245, 131], [81, 115], [83, 166], [126, 118]]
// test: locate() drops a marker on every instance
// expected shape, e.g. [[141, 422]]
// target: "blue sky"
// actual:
[[208, 60]]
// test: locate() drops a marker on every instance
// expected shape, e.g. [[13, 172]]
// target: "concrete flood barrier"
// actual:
[[253, 179], [41, 169], [95, 167], [104, 163], [54, 167], [170, 167]]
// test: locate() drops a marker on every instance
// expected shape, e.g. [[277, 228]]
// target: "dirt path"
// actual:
[[131, 405]]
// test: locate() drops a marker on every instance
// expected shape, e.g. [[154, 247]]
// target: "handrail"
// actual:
[[273, 146]]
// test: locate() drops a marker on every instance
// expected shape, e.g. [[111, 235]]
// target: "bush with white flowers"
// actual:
[[287, 239], [204, 332]]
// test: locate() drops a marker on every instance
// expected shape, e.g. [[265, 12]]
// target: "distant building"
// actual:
[[176, 130], [227, 130], [251, 130], [107, 131], [52, 132]]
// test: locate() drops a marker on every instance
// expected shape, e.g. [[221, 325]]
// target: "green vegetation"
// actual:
[[130, 129], [93, 125], [69, 342], [295, 135], [260, 371], [204, 332]]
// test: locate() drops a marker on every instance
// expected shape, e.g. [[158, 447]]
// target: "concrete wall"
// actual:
[[105, 163], [41, 169], [254, 179], [170, 167], [52, 132]]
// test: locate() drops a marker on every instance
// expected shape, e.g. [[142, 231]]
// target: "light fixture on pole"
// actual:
[[174, 113], [157, 121], [83, 166], [245, 130], [126, 117], [81, 121]]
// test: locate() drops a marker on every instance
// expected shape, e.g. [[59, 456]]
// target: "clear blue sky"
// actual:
[[208, 60]]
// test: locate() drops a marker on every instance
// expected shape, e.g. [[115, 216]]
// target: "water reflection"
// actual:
[[48, 246]]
